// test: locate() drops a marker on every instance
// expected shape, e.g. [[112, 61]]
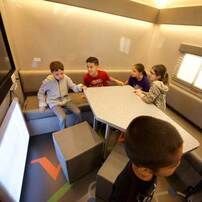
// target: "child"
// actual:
[[138, 78], [54, 93], [154, 148], [97, 77], [159, 87]]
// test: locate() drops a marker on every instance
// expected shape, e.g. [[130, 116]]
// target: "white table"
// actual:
[[117, 106]]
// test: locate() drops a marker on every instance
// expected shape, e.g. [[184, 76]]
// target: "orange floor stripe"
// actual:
[[48, 167]]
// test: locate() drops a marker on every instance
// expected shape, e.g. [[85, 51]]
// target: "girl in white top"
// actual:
[[159, 87]]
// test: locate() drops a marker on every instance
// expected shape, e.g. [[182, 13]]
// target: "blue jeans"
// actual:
[[62, 116]]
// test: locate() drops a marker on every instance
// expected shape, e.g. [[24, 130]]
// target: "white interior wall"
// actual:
[[166, 41], [53, 31]]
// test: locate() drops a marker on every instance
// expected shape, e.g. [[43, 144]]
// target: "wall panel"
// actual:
[[181, 16], [51, 31], [167, 40], [117, 7]]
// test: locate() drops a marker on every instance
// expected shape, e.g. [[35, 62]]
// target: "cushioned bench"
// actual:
[[45, 122], [190, 169], [190, 173], [79, 150], [35, 78], [186, 104]]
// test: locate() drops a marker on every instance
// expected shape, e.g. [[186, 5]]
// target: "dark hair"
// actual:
[[93, 60], [151, 142], [160, 70], [140, 68], [55, 66]]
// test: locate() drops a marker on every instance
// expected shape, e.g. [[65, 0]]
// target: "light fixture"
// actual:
[[161, 3]]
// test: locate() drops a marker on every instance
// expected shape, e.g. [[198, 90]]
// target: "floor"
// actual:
[[44, 180]]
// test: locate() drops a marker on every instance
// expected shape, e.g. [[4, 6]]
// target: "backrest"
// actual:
[[186, 104], [31, 80]]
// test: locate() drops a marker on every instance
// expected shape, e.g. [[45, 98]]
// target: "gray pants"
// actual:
[[62, 116]]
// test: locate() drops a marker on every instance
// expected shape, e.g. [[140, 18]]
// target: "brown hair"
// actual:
[[93, 60], [55, 66], [140, 68], [160, 70], [152, 142]]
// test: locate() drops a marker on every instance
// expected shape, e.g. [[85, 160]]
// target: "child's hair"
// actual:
[[93, 60], [55, 66], [151, 142], [160, 70], [140, 68]]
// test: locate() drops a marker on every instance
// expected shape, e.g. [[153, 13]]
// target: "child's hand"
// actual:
[[126, 82], [80, 86], [84, 87], [121, 83], [139, 92]]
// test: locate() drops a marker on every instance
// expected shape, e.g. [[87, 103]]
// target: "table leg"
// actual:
[[107, 131], [94, 123]]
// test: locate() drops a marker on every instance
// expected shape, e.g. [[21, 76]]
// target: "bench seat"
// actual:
[[46, 122]]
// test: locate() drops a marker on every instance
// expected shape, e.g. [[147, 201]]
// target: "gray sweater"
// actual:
[[156, 94], [53, 92]]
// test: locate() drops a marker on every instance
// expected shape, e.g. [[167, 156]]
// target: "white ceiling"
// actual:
[[170, 3]]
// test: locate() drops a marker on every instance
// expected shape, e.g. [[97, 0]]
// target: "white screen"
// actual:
[[14, 139]]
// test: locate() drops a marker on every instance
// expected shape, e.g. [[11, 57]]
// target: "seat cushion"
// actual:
[[78, 149], [31, 110], [31, 102]]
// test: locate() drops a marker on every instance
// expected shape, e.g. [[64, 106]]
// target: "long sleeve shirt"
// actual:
[[55, 92]]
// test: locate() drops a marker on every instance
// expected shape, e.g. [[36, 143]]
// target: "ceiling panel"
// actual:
[[170, 3]]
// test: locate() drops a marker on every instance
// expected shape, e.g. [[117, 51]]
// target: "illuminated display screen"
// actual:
[[14, 139]]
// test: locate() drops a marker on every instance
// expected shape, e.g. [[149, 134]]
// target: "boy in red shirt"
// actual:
[[97, 77]]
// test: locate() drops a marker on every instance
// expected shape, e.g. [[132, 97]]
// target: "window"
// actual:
[[190, 70]]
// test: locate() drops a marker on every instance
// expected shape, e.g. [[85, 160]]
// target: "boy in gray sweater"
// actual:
[[53, 93]]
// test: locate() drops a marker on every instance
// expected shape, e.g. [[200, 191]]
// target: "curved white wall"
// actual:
[[166, 41], [53, 31]]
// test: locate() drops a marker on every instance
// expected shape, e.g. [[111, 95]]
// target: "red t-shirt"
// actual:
[[101, 79]]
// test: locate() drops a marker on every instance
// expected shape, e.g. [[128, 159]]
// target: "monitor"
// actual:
[[14, 139]]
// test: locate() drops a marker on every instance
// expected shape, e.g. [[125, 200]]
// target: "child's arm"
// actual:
[[139, 92], [150, 96], [118, 82], [42, 97], [73, 86], [86, 81], [126, 82]]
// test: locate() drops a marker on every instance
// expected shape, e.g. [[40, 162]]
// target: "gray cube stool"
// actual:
[[109, 171], [79, 150]]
